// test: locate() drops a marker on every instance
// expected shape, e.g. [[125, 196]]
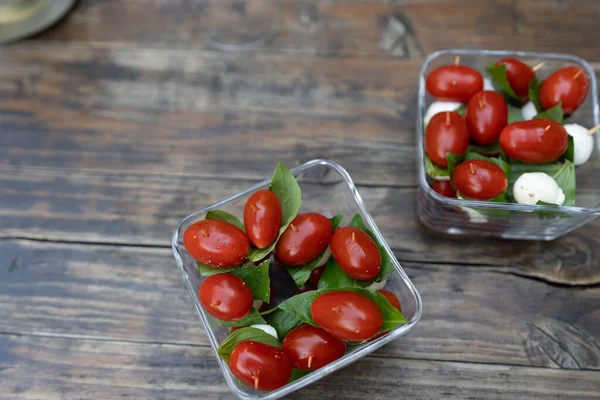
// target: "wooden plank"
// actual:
[[353, 27], [174, 111], [142, 209], [58, 368], [472, 314]]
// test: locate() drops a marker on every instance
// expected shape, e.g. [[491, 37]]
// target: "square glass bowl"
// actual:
[[328, 189], [509, 221]]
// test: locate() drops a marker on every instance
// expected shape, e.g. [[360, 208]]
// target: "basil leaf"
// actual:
[[534, 94], [334, 277], [298, 373], [565, 178], [302, 273], [462, 110], [282, 321], [499, 162], [299, 305], [257, 278], [486, 150], [555, 114], [242, 335], [207, 270], [500, 80], [514, 115], [433, 170], [253, 318], [453, 160], [225, 216], [570, 152], [285, 186]]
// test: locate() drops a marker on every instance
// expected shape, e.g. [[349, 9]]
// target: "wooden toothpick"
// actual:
[[594, 130], [535, 68]]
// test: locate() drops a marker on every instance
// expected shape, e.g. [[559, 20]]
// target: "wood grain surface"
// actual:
[[121, 120]]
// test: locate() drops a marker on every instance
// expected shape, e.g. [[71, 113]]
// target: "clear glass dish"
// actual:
[[328, 189], [509, 221]]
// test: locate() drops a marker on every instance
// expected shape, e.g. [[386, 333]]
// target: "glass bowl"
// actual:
[[509, 221], [328, 189]]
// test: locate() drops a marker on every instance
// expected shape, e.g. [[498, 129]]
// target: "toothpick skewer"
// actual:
[[594, 130], [457, 60], [540, 65]]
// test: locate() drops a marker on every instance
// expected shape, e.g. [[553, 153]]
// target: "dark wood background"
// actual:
[[120, 121]]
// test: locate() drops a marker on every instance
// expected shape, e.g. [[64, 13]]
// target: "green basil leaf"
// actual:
[[253, 318], [570, 152], [555, 114], [565, 178], [499, 162], [462, 110], [534, 94], [453, 160], [334, 277], [225, 216], [282, 321], [433, 170], [301, 274], [486, 150], [207, 270], [242, 335], [299, 305], [285, 186], [257, 278], [298, 373], [500, 80], [514, 115]]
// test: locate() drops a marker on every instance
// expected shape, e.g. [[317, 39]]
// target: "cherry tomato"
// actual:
[[356, 253], [444, 188], [454, 83], [316, 275], [307, 236], [262, 218], [487, 114], [226, 297], [446, 133], [216, 243], [311, 348], [347, 315], [391, 297], [519, 76], [259, 365], [537, 141], [479, 179], [569, 85]]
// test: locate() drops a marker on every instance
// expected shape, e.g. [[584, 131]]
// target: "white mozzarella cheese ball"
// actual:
[[537, 186], [325, 257], [528, 111], [488, 85], [439, 106], [584, 143], [266, 328]]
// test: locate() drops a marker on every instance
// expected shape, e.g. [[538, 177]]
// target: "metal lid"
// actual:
[[22, 18]]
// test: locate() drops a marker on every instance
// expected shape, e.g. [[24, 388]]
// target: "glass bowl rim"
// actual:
[[499, 53], [347, 358]]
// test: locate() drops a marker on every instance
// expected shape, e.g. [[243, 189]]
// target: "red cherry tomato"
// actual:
[[479, 179], [307, 236], [262, 218], [311, 348], [347, 315], [316, 275], [446, 133], [259, 365], [391, 297], [356, 253], [487, 114], [569, 85], [226, 297], [454, 83], [216, 243], [537, 141], [444, 188], [519, 76]]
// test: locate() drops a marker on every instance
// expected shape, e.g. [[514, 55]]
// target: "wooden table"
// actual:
[[119, 122]]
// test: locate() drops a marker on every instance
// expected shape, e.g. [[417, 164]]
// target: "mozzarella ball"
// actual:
[[488, 85], [528, 111], [537, 186], [325, 257], [584, 143], [440, 106], [377, 285], [266, 328]]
